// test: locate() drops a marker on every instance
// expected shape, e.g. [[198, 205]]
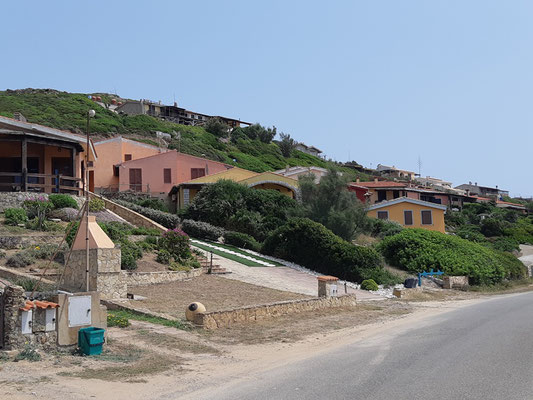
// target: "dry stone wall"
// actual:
[[152, 278], [225, 319], [15, 199]]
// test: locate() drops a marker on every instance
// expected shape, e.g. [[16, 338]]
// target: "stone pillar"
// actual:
[[327, 286], [455, 282], [12, 301]]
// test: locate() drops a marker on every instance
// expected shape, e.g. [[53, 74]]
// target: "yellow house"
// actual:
[[184, 193], [410, 213]]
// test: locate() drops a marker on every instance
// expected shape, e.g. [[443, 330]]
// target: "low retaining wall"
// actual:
[[455, 282], [14, 276], [18, 242], [15, 199], [118, 305], [131, 216], [151, 278], [225, 319]]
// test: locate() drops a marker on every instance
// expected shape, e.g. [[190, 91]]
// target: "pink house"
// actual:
[[157, 174]]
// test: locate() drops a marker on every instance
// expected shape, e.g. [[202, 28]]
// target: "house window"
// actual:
[[127, 157], [383, 215], [395, 194], [382, 195], [116, 171], [408, 217], [197, 172], [427, 217], [167, 175]]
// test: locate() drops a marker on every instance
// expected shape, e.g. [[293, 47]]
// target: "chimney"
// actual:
[[19, 117], [475, 183], [358, 180], [469, 182], [376, 180]]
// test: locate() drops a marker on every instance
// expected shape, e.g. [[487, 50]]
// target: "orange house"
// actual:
[[113, 152], [157, 174]]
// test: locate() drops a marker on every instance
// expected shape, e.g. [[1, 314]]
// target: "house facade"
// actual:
[[112, 153], [159, 173], [394, 172], [37, 158], [185, 192], [312, 150], [483, 191], [410, 213], [296, 172]]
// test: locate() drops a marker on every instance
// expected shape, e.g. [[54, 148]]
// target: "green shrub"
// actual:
[[168, 220], [417, 250], [117, 231], [28, 353], [141, 230], [37, 210], [117, 320], [20, 260], [72, 229], [176, 243], [241, 240], [312, 245], [491, 227], [62, 201], [46, 251], [15, 216], [96, 204], [505, 244], [471, 232], [177, 267], [3, 254], [381, 228], [369, 284], [163, 257], [27, 284], [156, 204], [201, 230]]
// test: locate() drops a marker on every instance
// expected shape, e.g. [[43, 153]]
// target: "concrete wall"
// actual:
[[225, 319], [455, 282]]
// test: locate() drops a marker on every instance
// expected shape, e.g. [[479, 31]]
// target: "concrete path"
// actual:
[[527, 255], [281, 278]]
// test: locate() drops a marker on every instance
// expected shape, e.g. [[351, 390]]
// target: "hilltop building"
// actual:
[[172, 113], [311, 150], [394, 172], [474, 189]]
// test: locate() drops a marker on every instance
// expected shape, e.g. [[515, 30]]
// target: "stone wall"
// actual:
[[19, 242], [152, 278], [224, 319], [11, 300], [455, 282], [15, 199], [132, 217], [105, 275], [14, 276]]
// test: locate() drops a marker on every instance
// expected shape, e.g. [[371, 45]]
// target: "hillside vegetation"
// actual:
[[67, 111]]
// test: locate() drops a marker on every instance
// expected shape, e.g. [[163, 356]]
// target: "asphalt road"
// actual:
[[482, 351]]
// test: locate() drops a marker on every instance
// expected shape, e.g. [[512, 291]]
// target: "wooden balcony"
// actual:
[[27, 182]]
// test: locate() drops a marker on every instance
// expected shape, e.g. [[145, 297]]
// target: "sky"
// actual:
[[449, 82]]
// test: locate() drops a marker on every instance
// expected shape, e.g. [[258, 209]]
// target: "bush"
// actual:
[[28, 353], [201, 230], [46, 251], [506, 244], [155, 204], [96, 204], [27, 284], [314, 246], [118, 321], [471, 232], [176, 243], [241, 240], [20, 260], [381, 228], [141, 230], [62, 201], [418, 250], [117, 231], [491, 227], [163, 257], [37, 210], [72, 229], [15, 216], [168, 220], [127, 259], [369, 284]]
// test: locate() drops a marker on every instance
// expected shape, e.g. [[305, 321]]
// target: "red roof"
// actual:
[[381, 184], [39, 304]]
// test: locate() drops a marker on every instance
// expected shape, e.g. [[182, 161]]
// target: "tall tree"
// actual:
[[286, 144], [331, 204]]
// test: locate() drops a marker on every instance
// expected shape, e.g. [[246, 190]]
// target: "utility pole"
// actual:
[[90, 114]]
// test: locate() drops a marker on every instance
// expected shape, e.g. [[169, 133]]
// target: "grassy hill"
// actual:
[[67, 111]]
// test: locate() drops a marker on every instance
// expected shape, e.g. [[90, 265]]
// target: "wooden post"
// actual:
[[24, 159], [57, 182]]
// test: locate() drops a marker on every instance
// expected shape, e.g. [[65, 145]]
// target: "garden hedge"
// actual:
[[417, 250], [168, 220], [312, 245]]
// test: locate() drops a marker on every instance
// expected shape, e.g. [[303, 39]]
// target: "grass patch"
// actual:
[[126, 314], [504, 287], [229, 256], [244, 252]]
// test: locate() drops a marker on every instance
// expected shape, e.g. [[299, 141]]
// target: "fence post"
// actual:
[[24, 177], [57, 182]]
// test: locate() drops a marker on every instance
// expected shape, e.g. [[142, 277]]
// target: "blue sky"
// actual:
[[371, 81]]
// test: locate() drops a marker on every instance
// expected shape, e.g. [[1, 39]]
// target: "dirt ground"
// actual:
[[214, 292], [147, 361]]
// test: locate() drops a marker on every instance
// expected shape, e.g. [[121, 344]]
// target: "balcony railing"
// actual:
[[26, 182]]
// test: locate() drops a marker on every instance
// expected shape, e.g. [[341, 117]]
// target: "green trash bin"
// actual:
[[90, 340]]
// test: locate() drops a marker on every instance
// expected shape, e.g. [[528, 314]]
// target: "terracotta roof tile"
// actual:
[[327, 278], [28, 306], [381, 184], [38, 304]]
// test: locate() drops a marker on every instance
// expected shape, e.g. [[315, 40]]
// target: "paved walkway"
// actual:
[[281, 278]]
